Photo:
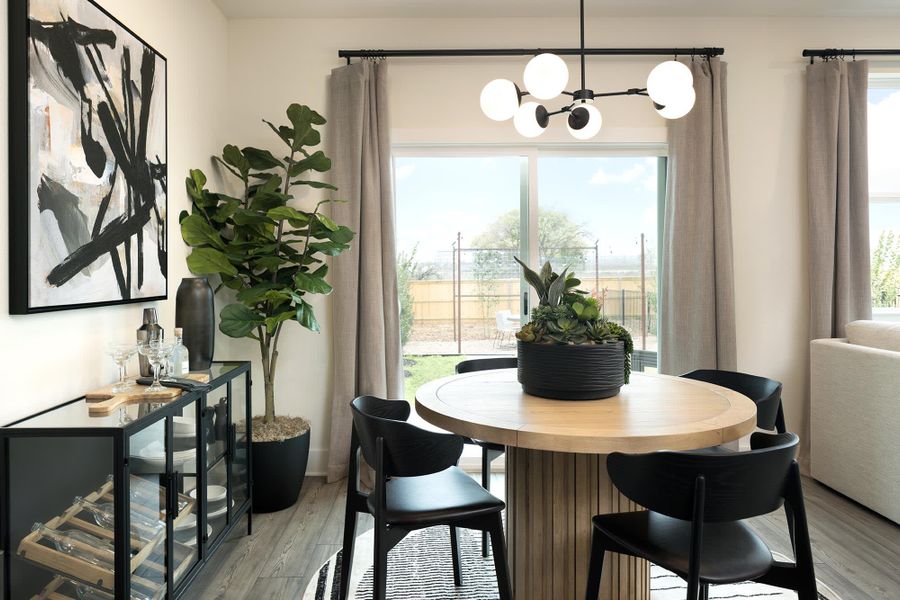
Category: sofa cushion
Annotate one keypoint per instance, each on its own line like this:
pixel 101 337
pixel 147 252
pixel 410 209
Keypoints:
pixel 875 334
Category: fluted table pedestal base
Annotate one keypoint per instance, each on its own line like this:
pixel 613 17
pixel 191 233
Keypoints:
pixel 551 497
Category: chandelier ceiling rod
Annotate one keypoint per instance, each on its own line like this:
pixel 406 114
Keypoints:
pixel 489 52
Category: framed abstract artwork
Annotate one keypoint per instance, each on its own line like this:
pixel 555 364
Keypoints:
pixel 88 159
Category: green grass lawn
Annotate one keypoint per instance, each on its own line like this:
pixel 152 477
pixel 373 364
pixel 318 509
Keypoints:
pixel 420 369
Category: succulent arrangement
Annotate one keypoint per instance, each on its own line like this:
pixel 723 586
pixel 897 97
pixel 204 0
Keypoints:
pixel 567 315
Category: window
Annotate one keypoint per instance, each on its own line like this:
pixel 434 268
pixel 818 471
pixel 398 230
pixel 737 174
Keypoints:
pixel 884 193
pixel 463 214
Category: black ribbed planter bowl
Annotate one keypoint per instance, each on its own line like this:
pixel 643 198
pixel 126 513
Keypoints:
pixel 278 472
pixel 564 372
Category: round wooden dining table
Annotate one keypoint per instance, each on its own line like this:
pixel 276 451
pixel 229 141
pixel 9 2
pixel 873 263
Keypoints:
pixel 556 477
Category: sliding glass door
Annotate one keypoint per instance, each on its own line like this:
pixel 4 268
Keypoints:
pixel 462 214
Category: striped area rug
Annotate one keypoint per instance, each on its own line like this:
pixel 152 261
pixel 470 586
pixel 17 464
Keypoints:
pixel 420 568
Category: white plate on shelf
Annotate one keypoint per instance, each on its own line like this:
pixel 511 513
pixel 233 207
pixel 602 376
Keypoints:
pixel 219 512
pixel 183 426
pixel 190 522
pixel 193 541
pixel 155 454
pixel 214 493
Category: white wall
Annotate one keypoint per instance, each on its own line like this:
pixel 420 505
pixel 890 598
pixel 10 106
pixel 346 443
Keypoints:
pixel 436 100
pixel 47 359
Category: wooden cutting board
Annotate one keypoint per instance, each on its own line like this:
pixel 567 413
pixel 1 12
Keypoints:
pixel 103 401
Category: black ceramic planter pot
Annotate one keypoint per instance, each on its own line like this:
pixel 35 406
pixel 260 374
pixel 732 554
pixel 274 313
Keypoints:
pixel 278 472
pixel 563 372
pixel 195 314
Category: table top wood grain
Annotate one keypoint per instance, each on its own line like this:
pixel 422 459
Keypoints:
pixel 653 412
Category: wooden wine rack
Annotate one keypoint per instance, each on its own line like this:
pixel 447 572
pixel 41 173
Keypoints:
pixel 148 556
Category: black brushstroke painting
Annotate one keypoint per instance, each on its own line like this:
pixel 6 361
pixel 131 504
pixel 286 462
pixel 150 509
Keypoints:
pixel 88 206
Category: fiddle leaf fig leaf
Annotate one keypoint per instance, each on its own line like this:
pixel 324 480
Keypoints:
pixel 306 317
pixel 197 232
pixel 313 284
pixel 237 320
pixel 261 160
pixel 209 261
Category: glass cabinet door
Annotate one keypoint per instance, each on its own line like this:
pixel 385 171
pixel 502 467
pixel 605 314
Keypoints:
pixel 185 476
pixel 149 486
pixel 240 440
pixel 61 511
pixel 215 423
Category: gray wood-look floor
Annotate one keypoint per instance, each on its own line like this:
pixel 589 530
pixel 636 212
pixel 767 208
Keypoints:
pixel 857 552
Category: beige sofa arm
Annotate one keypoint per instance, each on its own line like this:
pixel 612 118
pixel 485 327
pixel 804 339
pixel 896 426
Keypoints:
pixel 855 422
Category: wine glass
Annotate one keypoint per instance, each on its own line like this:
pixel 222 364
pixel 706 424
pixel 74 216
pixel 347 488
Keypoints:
pixel 157 352
pixel 120 353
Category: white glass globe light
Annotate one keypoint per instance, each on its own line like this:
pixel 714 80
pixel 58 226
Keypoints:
pixel 595 121
pixel 500 100
pixel 526 122
pixel 679 105
pixel 668 79
pixel 546 76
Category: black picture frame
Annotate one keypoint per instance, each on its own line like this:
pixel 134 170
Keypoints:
pixel 20 181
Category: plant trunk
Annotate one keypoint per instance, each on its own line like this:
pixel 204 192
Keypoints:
pixel 270 397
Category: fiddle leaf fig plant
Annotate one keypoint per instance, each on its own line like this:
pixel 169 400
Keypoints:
pixel 567 315
pixel 270 253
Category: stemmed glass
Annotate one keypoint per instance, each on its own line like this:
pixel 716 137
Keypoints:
pixel 157 352
pixel 120 353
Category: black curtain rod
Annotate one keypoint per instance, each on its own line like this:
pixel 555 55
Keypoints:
pixel 848 52
pixel 706 52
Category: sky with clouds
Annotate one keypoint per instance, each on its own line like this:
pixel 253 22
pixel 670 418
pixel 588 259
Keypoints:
pixel 612 198
pixel 884 160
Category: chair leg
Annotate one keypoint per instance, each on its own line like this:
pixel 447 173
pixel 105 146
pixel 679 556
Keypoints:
pixel 454 550
pixel 780 425
pixel 381 564
pixel 347 551
pixel 501 566
pixel 595 568
pixel 704 591
pixel 693 590
pixel 486 484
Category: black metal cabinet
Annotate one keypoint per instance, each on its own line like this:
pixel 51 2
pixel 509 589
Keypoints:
pixel 126 505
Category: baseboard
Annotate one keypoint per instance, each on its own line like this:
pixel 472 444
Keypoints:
pixel 318 462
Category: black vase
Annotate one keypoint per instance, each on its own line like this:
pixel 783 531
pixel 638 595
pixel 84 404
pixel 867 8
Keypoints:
pixel 195 314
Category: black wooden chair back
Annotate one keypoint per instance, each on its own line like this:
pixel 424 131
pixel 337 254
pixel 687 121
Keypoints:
pixel 484 364
pixel 406 450
pixel 726 486
pixel 765 392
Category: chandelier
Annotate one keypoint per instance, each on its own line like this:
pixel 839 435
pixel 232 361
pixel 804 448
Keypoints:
pixel 670 87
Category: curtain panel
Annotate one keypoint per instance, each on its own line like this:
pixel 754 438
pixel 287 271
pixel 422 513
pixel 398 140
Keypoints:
pixel 365 313
pixel 837 173
pixel 697 320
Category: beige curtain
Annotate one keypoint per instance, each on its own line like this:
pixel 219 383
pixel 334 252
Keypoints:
pixel 365 314
pixel 696 319
pixel 838 193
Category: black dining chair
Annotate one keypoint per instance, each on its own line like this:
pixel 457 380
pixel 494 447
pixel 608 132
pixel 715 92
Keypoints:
pixel 696 503
pixel 765 392
pixel 417 485
pixel 489 450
